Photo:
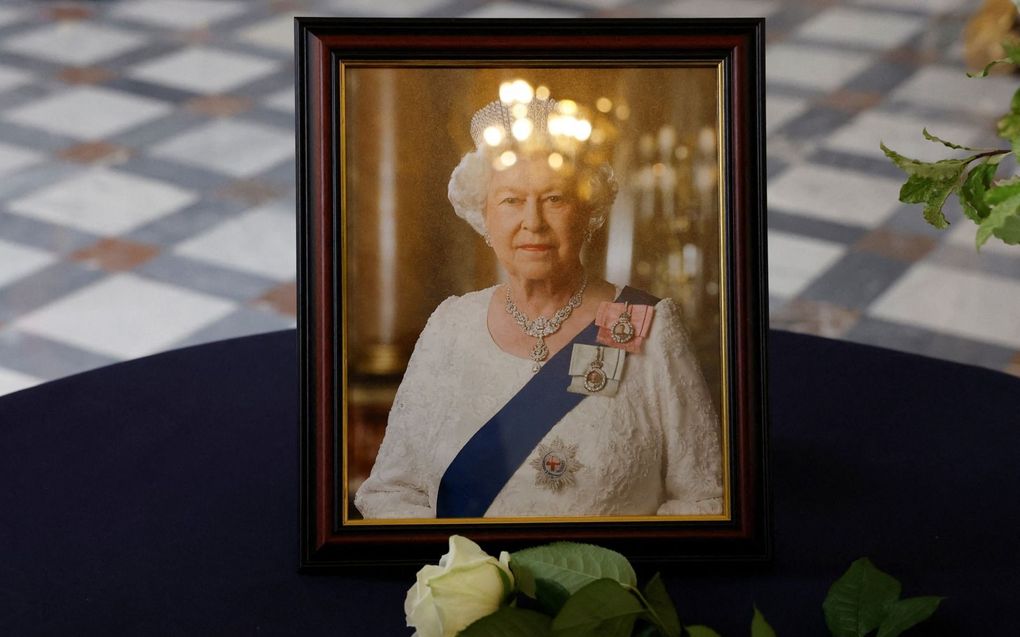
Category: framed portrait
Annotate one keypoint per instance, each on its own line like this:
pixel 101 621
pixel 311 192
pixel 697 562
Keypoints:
pixel 532 286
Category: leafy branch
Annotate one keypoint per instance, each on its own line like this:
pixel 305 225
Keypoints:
pixel 580 590
pixel 994 205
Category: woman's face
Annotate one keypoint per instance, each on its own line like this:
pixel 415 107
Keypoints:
pixel 535 223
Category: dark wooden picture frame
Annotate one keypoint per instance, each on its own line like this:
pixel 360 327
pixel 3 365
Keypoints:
pixel 329 48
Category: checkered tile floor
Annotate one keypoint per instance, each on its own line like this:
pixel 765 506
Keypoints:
pixel 146 173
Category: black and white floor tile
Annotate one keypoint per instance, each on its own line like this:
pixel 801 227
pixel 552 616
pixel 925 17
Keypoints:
pixel 131 222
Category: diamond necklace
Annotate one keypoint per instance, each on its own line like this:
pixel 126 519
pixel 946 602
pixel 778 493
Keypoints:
pixel 542 326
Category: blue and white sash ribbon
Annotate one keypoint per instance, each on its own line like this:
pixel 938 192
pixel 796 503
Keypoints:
pixel 488 460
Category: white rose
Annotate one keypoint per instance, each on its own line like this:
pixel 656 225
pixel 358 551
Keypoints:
pixel 467 585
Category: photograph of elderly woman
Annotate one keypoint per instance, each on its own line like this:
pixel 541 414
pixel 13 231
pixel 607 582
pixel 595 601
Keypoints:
pixel 531 294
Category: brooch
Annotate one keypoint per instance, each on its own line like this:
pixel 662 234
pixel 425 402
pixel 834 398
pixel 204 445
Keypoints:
pixel 623 326
pixel 595 378
pixel 556 464
pixel 622 331
pixel 595 370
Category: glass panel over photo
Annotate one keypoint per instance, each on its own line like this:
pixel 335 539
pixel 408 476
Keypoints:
pixel 638 149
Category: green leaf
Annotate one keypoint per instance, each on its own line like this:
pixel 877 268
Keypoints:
pixel 701 631
pixel 906 613
pixel 760 627
pixel 1003 221
pixel 859 600
pixel 1012 52
pixel 942 169
pixel 603 608
pixel 932 193
pixel 1009 129
pixel 1012 48
pixel 988 67
pixel 510 622
pixel 933 138
pixel 551 595
pixel 1009 125
pixel 1002 190
pixel 929 182
pixel 571 565
pixel 661 609
pixel 972 192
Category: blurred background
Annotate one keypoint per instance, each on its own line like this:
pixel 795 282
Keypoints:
pixel 147 172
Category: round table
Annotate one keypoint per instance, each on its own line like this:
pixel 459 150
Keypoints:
pixel 159 497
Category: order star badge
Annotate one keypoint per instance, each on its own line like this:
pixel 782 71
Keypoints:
pixel 556 464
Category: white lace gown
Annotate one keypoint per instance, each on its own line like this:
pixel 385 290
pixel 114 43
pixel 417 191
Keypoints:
pixel 652 449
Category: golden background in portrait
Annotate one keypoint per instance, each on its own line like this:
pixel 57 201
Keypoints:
pixel 407 127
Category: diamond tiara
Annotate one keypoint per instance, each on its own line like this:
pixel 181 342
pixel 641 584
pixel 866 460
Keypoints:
pixel 501 115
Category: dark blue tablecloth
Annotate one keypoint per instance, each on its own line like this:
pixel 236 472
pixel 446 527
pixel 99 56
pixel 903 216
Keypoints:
pixel 159 497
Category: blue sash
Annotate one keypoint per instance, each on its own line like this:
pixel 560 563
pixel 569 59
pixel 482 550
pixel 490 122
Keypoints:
pixel 486 462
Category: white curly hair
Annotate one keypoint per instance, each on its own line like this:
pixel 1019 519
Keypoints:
pixel 469 185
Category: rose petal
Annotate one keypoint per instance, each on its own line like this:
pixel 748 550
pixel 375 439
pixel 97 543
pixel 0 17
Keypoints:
pixel 467 593
pixel 504 563
pixel 424 617
pixel 467 585
pixel 463 551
